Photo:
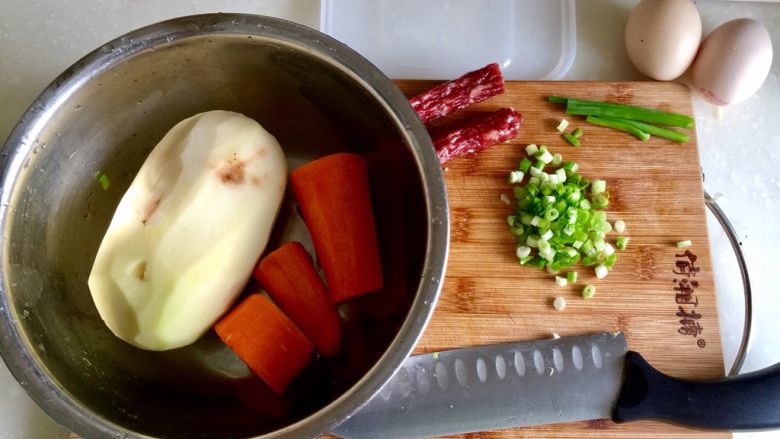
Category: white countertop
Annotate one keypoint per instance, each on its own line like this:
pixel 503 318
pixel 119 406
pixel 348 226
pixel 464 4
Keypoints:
pixel 740 154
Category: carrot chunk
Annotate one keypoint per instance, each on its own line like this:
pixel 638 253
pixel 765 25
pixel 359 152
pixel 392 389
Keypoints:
pixel 288 275
pixel 335 201
pixel 268 342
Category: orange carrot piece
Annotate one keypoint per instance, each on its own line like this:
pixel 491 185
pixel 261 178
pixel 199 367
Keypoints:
pixel 336 204
pixel 288 275
pixel 268 342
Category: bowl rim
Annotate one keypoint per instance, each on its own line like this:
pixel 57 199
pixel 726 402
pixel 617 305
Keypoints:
pixel 15 347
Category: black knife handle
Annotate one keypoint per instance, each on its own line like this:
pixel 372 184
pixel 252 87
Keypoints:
pixel 745 402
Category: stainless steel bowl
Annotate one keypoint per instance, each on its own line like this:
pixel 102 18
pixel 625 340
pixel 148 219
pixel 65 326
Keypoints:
pixel 104 114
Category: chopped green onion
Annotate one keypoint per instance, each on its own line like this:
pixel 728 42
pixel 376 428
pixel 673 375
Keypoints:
pixel 571 166
pixel 621 242
pixel 544 157
pixel 561 281
pixel 601 271
pixel 523 251
pixel 611 123
pixel 575 142
pixel 563 125
pixel 587 246
pixel 610 260
pixel 686 243
pixel 548 254
pixel 571 276
pixel 600 201
pixel 558 220
pixel 620 226
pixel 588 292
pixel 524 260
pixel 653 130
pixel 592 258
pixel 583 107
pixel 531 149
pixel 435 355
pixel 577 132
pixel 598 186
pixel 559 303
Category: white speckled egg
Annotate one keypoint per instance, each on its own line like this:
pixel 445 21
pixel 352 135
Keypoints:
pixel 662 37
pixel 733 62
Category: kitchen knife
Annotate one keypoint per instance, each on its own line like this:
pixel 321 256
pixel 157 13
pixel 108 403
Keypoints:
pixel 550 381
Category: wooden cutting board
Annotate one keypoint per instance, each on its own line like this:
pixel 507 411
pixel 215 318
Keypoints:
pixel 655 187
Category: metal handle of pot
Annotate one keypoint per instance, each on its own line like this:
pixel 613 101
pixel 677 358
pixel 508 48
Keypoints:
pixel 724 222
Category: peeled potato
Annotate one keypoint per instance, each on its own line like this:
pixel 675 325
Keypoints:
pixel 190 228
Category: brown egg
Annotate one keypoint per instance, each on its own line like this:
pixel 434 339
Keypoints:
pixel 733 62
pixel 662 37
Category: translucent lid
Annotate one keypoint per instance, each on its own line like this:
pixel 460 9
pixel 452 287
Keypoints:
pixel 442 39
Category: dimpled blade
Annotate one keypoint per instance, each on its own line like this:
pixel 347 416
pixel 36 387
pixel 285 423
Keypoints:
pixel 497 386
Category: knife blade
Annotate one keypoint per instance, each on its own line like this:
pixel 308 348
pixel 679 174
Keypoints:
pixel 497 386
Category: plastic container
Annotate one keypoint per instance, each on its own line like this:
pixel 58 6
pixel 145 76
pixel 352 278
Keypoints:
pixel 441 39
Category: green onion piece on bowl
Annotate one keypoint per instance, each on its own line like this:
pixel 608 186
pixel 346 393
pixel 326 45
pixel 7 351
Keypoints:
pixel 103 180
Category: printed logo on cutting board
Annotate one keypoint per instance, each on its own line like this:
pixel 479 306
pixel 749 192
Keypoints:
pixel 685 285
